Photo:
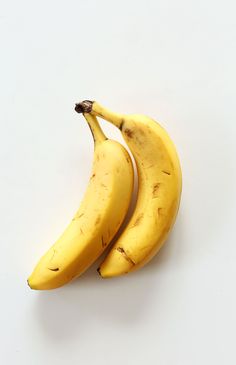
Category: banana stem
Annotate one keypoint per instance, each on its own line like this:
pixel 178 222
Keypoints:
pixel 107 114
pixel 95 128
pixel 94 108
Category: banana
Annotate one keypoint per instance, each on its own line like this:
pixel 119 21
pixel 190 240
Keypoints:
pixel 99 217
pixel 159 192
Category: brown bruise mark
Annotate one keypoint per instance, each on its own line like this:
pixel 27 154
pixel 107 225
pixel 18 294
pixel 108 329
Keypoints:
pixel 129 133
pixel 155 190
pixel 104 186
pixel 160 211
pixel 166 172
pixel 138 220
pixel 124 254
pixel 78 217
pixel 121 124
pixel 93 176
pixel 103 242
pixel 81 231
pixel 55 269
pixel 97 220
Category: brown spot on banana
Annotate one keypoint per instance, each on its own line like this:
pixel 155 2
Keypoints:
pixel 124 254
pixel 121 124
pixel 104 186
pixel 160 211
pixel 98 220
pixel 129 133
pixel 166 172
pixel 78 217
pixel 155 190
pixel 103 242
pixel 138 220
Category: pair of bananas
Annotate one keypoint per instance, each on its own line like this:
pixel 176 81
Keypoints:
pixel 107 200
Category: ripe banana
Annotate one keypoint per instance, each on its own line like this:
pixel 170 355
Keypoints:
pixel 99 217
pixel 160 184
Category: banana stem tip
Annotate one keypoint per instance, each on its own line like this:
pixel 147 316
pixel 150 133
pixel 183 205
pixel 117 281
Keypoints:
pixel 84 107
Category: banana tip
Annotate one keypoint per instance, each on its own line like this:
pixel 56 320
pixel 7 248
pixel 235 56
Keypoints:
pixel 99 272
pixel 31 285
pixel 28 283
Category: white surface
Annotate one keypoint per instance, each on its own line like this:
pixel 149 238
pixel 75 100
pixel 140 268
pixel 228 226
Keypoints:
pixel 175 61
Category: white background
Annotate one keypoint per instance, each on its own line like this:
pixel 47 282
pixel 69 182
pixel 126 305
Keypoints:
pixel 175 61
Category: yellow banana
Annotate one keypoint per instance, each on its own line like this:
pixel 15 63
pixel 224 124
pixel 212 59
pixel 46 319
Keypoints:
pixel 99 217
pixel 160 184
